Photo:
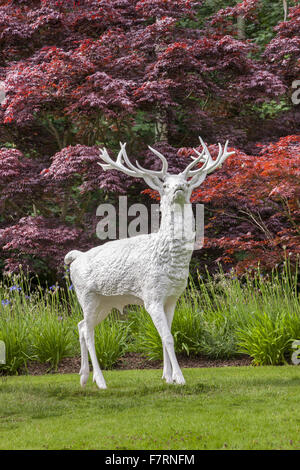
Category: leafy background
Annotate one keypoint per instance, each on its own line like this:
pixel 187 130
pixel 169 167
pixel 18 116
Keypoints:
pixel 84 74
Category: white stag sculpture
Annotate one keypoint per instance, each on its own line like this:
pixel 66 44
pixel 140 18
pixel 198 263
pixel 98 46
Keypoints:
pixel 150 270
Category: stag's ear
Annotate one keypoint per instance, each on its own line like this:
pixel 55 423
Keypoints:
pixel 196 180
pixel 153 182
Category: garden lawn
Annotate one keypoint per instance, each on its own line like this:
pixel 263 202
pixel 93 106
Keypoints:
pixel 219 408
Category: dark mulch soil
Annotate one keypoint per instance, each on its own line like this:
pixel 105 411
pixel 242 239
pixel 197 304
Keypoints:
pixel 71 365
pixel 136 361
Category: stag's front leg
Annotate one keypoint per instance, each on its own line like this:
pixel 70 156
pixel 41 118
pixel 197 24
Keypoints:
pixel 157 313
pixel 169 312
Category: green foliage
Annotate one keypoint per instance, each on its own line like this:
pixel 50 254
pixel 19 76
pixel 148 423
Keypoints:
pixel 218 340
pixel 111 338
pixel 187 325
pixel 269 332
pixel 266 339
pixel 146 338
pixel 143 126
pixel 186 330
pixel 14 331
pixel 220 317
pixel 9 145
pixel 205 11
pixel 270 14
pixel 52 339
pixel 34 323
pixel 224 316
pixel 261 31
pixel 271 109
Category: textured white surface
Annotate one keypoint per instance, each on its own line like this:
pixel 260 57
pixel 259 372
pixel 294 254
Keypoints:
pixel 150 270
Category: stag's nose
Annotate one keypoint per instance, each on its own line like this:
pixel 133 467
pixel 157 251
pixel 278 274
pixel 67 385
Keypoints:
pixel 179 193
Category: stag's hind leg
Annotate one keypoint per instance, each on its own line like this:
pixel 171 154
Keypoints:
pixel 93 315
pixel 90 340
pixel 84 369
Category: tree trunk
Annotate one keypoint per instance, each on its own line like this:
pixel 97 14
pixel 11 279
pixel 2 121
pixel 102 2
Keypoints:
pixel 241 27
pixel 161 126
pixel 285 9
pixel 161 121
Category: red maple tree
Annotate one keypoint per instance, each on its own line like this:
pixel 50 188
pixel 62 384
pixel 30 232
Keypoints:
pixel 88 73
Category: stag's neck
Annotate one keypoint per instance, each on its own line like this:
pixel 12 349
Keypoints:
pixel 177 232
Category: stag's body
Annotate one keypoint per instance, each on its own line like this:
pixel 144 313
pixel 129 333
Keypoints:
pixel 150 270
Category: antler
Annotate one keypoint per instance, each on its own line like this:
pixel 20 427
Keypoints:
pixel 154 178
pixel 209 165
pixel 136 171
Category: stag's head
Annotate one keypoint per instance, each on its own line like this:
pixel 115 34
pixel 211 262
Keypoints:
pixel 172 188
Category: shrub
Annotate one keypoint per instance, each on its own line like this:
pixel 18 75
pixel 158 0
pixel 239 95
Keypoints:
pixel 267 338
pixel 186 329
pixel 218 340
pixel 52 338
pixel 221 317
pixel 111 338
pixel 146 338
pixel 14 331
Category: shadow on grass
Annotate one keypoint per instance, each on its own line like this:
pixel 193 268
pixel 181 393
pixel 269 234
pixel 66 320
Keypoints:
pixel 21 402
pixel 45 400
pixel 62 392
pixel 38 401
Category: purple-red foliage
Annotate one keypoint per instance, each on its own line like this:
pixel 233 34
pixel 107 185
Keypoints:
pixel 82 162
pixel 36 239
pixel 85 73
pixel 176 164
pixel 283 52
pixel 144 63
pixel 246 9
pixel 19 181
pixel 253 206
pixel 159 8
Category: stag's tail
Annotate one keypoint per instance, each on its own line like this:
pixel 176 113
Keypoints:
pixel 71 256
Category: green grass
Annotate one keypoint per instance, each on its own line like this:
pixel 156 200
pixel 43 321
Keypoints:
pixel 219 408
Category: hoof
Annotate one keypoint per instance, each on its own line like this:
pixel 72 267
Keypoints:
pixel 99 382
pixel 178 379
pixel 83 379
pixel 167 378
